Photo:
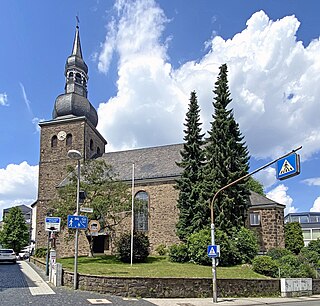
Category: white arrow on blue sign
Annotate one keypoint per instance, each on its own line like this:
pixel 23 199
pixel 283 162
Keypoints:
pixel 80 222
pixel 213 251
pixel 288 166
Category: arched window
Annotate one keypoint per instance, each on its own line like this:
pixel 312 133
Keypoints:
pixel 69 140
pixel 78 77
pixel 91 145
pixel 54 141
pixel 98 151
pixel 71 74
pixel 141 211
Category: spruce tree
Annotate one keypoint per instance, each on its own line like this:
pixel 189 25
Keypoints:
pixel 194 210
pixel 227 160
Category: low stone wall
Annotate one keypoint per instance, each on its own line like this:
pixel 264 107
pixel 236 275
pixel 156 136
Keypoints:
pixel 173 287
pixel 39 262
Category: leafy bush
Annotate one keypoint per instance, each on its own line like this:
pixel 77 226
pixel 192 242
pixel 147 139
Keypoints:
pixel 293 237
pixel 277 253
pixel 198 245
pixel 140 247
pixel 178 253
pixel 229 253
pixel 161 249
pixel 312 257
pixel 293 266
pixel 265 265
pixel 40 252
pixel 314 245
pixel 247 244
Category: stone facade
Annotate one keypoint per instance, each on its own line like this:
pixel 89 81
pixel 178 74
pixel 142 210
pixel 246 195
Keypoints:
pixel 54 161
pixel 270 228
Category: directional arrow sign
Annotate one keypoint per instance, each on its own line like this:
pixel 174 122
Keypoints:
pixel 288 166
pixel 80 222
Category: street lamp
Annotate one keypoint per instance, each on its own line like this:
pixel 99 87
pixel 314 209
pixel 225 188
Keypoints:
pixel 76 155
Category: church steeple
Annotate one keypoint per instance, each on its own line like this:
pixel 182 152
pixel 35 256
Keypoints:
pixel 76 50
pixel 76 70
pixel 74 101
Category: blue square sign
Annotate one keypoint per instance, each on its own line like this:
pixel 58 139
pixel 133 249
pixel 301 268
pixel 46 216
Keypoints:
pixel 213 251
pixel 288 166
pixel 80 222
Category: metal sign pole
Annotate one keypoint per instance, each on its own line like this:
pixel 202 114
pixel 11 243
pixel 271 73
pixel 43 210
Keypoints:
pixel 214 278
pixel 214 275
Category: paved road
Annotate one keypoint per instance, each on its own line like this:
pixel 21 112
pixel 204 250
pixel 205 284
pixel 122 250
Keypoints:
pixel 23 284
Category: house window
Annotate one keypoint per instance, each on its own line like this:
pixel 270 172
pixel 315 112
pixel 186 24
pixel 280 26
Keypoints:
pixel 254 218
pixel 69 140
pixel 141 212
pixel 54 141
pixel 91 145
pixel 98 151
pixel 306 234
pixel 315 234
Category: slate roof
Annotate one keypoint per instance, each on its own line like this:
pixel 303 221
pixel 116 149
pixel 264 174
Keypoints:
pixel 259 200
pixel 149 163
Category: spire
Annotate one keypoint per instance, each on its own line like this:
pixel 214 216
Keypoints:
pixel 74 101
pixel 76 50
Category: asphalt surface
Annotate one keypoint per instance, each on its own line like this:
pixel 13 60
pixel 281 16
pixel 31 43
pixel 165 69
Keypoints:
pixel 25 284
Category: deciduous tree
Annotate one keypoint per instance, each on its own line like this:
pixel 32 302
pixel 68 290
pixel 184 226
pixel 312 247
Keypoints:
pixel 109 198
pixel 15 232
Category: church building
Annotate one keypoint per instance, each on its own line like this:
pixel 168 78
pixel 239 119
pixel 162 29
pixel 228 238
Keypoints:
pixel 73 126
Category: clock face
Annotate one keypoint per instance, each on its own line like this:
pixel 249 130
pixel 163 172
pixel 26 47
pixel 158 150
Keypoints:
pixel 62 135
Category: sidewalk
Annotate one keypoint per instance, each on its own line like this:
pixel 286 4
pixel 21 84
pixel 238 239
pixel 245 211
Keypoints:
pixel 231 301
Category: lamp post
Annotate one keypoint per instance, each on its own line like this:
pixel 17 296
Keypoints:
pixel 76 155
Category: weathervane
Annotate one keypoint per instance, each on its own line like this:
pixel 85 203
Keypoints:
pixel 78 21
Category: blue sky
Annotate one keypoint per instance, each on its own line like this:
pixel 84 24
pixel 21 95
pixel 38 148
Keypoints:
pixel 144 58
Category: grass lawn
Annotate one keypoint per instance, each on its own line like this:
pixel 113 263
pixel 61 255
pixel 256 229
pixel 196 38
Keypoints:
pixel 157 266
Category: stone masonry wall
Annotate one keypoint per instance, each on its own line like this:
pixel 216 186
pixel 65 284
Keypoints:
pixel 173 287
pixel 53 169
pixel 271 230
pixel 163 214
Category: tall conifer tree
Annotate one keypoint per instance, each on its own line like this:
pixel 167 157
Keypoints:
pixel 227 160
pixel 194 211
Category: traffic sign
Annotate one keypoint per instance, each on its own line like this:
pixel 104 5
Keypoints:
pixel 213 251
pixel 80 222
pixel 94 226
pixel 52 224
pixel 288 166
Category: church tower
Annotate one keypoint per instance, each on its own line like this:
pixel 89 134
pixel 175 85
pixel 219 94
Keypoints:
pixel 73 126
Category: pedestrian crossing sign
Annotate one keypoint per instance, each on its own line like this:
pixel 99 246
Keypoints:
pixel 288 166
pixel 213 251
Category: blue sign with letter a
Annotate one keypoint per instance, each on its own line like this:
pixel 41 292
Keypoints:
pixel 80 222
pixel 288 166
pixel 213 251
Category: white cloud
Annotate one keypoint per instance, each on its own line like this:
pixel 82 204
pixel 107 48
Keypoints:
pixel 279 195
pixel 273 81
pixel 3 99
pixel 315 181
pixel 267 177
pixel 18 185
pixel 316 205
